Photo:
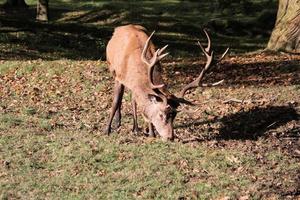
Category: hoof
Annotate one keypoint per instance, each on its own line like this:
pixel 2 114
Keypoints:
pixel 117 124
pixel 107 130
pixel 151 134
pixel 135 130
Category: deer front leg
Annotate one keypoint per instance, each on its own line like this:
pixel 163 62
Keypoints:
pixel 151 132
pixel 135 127
pixel 116 105
pixel 117 118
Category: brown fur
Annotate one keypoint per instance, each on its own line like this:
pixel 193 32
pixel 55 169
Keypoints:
pixel 124 57
pixel 124 52
pixel 131 61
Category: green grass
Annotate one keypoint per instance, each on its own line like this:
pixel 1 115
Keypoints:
pixel 52 145
pixel 66 165
pixel 10 121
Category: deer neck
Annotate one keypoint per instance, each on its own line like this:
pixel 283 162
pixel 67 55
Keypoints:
pixel 140 95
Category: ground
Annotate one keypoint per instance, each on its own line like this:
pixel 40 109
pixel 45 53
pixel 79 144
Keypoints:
pixel 240 140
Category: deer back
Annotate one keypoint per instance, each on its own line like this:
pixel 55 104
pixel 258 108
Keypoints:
pixel 124 57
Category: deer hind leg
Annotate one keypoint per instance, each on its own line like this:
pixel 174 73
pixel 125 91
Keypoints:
pixel 117 117
pixel 135 127
pixel 116 106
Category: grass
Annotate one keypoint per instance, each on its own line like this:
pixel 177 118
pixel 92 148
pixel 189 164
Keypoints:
pixel 80 165
pixel 52 145
pixel 10 121
pixel 55 95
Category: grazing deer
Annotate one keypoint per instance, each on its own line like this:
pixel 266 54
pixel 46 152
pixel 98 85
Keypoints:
pixel 134 63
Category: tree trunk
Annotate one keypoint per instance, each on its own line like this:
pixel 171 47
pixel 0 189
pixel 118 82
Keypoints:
pixel 15 4
pixel 42 10
pixel 286 34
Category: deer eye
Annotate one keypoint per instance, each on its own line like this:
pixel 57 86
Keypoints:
pixel 161 116
pixel 171 114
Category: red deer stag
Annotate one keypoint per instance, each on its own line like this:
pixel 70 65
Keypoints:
pixel 134 63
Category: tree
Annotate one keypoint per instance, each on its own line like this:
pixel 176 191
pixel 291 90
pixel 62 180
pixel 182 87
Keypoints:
pixel 42 10
pixel 286 33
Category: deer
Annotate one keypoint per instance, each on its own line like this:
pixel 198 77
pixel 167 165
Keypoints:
pixel 135 64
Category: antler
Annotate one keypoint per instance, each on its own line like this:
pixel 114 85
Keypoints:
pixel 156 57
pixel 210 60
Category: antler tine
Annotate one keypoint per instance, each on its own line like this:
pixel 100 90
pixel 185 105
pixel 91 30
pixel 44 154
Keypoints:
pixel 162 49
pixel 223 55
pixel 213 84
pixel 158 52
pixel 150 72
pixel 203 49
pixel 197 81
pixel 208 48
pixel 209 61
pixel 154 59
pixel 160 57
pixel 143 56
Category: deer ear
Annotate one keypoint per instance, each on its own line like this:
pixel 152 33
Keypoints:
pixel 154 98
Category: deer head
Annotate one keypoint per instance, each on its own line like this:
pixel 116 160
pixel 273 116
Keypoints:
pixel 134 63
pixel 162 107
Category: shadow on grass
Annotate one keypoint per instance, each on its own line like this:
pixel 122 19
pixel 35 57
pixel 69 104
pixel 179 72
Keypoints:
pixel 256 122
pixel 247 74
pixel 250 125
pixel 80 30
pixel 29 39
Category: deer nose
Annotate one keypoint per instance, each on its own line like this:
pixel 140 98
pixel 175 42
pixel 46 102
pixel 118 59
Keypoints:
pixel 168 138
